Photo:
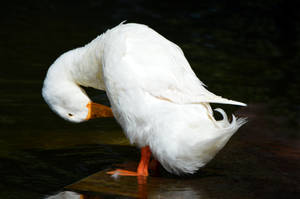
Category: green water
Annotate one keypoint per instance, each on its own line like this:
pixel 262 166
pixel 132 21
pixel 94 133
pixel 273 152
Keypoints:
pixel 247 51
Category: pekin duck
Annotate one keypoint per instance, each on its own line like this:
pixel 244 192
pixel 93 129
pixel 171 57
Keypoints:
pixel 161 105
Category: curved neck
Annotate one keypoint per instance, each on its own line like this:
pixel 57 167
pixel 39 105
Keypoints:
pixel 86 64
pixel 60 84
pixel 75 68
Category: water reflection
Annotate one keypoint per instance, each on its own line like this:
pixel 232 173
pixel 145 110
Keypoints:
pixel 188 193
pixel 136 187
pixel 177 190
pixel 66 195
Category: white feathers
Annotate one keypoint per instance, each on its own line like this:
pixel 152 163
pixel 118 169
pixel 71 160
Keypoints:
pixel 193 139
pixel 154 94
pixel 160 102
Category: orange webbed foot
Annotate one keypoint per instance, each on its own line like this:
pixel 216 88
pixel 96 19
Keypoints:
pixel 142 169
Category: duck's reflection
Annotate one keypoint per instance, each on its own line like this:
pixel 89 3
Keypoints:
pixel 66 195
pixel 149 188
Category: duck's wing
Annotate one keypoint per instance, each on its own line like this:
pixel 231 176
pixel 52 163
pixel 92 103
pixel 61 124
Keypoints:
pixel 146 60
pixel 180 84
pixel 183 98
pixel 163 71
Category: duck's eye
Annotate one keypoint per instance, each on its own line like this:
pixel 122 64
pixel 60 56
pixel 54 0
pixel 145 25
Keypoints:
pixel 70 114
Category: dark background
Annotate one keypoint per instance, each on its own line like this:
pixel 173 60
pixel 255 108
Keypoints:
pixel 244 50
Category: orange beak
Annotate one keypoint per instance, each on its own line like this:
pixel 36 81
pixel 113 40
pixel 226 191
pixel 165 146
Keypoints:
pixel 98 110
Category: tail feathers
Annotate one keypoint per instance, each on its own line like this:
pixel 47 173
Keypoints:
pixel 227 129
pixel 224 123
pixel 203 147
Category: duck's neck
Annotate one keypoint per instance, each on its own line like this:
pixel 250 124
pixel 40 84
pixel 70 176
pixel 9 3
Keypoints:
pixel 85 64
pixel 75 68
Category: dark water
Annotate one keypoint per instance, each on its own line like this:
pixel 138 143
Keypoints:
pixel 247 51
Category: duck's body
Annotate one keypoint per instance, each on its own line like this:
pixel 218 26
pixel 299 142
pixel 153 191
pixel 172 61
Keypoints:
pixel 154 95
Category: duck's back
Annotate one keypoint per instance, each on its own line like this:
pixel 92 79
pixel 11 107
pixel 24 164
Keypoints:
pixel 141 56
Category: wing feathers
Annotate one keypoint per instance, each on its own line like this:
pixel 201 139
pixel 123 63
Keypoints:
pixel 184 99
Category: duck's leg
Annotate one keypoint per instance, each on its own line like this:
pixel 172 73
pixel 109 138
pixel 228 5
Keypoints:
pixel 144 162
pixel 142 169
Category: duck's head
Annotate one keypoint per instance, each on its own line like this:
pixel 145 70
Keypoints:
pixel 66 98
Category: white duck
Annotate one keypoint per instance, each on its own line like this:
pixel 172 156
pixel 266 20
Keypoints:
pixel 156 97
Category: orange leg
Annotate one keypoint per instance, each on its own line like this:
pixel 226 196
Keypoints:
pixel 142 169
